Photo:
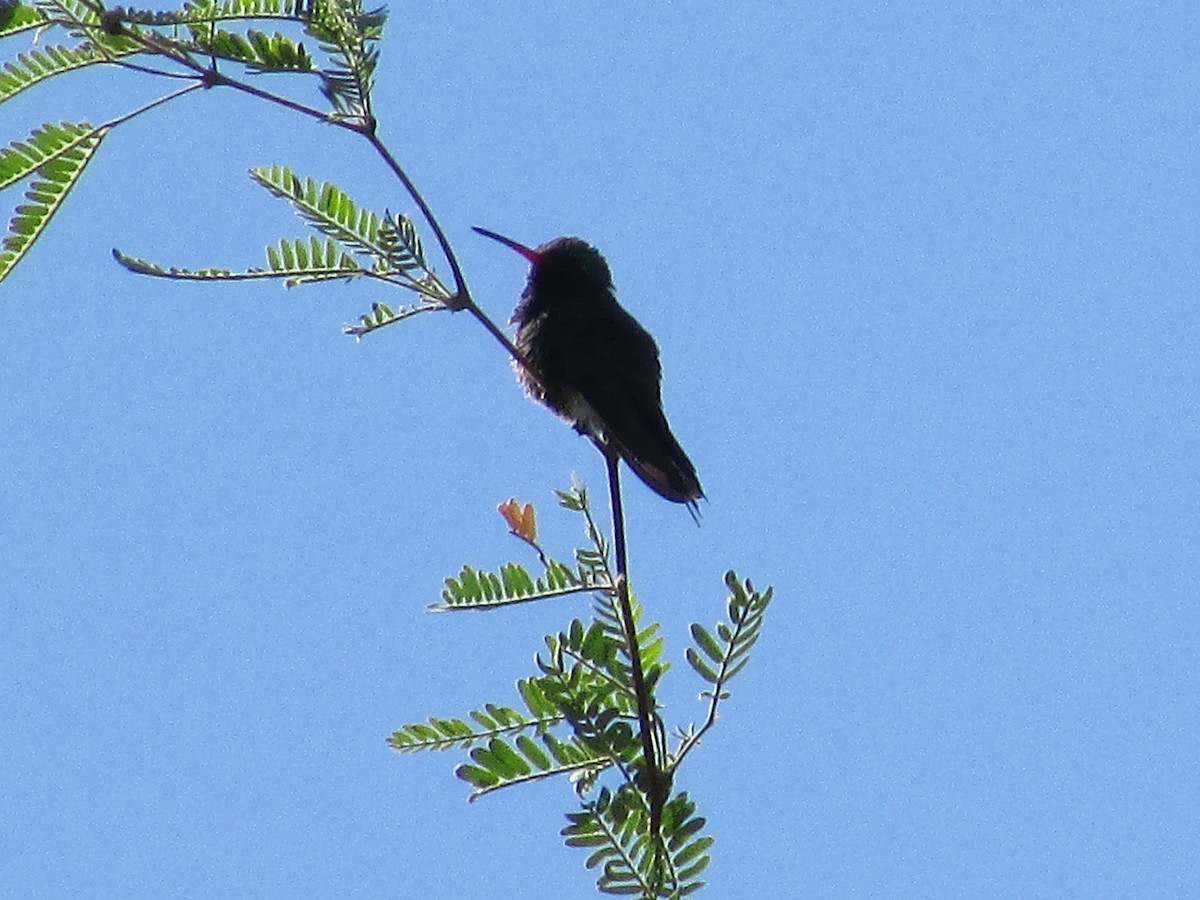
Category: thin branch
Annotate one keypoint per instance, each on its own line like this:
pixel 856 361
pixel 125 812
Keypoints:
pixel 537 548
pixel 462 298
pixel 596 537
pixel 167 98
pixel 210 76
pixel 147 70
pixel 691 741
pixel 657 786
pixel 216 78
pixel 460 283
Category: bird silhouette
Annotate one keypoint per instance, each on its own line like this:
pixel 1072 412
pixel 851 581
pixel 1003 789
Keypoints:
pixel 595 365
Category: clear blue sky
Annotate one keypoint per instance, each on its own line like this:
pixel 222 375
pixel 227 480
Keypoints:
pixel 925 285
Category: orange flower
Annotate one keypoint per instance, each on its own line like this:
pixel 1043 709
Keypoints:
pixel 521 520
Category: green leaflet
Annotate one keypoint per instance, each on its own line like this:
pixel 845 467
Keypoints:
pixel 44 144
pixel 477 589
pixel 35 66
pixel 17 17
pixel 581 717
pixel 259 51
pixel 57 174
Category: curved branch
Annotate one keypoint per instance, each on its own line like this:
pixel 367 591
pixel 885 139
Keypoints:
pixel 462 298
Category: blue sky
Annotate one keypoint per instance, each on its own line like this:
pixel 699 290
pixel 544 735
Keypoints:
pixel 924 280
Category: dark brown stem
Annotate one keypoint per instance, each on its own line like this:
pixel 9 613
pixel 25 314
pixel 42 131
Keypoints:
pixel 460 283
pixel 462 294
pixel 656 786
pixel 210 76
pixel 120 120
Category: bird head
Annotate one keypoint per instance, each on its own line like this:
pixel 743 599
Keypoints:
pixel 562 269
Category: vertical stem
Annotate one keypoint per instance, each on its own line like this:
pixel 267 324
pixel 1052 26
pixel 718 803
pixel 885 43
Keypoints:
pixel 656 790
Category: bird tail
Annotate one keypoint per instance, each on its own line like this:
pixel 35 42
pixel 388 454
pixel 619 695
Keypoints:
pixel 671 475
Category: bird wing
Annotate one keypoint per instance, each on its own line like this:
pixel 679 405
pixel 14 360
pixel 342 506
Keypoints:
pixel 619 374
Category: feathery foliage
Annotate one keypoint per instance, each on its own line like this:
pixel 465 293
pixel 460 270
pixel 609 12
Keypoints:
pixel 28 69
pixel 613 826
pixel 46 143
pixel 718 660
pixel 58 170
pixel 589 711
pixel 490 722
pixel 349 37
pixel 475 589
pixel 256 50
pixel 17 17
pixel 294 262
pixel 326 208
pixel 199 12
pixel 191 43
pixel 357 243
pixel 580 718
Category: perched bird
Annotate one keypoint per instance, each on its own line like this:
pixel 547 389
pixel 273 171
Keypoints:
pixel 595 366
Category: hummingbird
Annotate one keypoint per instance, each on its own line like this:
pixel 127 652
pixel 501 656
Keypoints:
pixel 594 365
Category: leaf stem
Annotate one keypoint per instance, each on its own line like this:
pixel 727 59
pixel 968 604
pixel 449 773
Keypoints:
pixel 717 695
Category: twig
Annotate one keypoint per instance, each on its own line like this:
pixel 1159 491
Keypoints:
pixel 208 75
pixel 657 787
pixel 167 98
pixel 462 294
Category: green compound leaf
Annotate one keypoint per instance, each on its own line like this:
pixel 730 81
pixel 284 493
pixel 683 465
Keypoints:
pixel 718 659
pixel 45 143
pixel 36 66
pixel 390 241
pixel 17 17
pixel 502 764
pixel 491 722
pixel 479 590
pixel 59 172
pixel 614 827
pixel 259 51
pixel 349 36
